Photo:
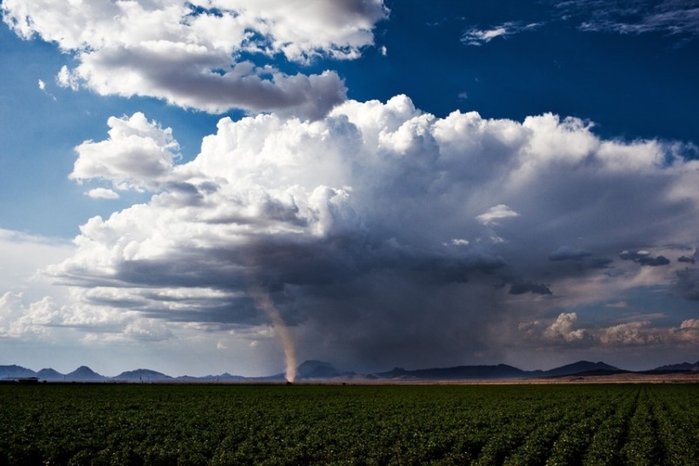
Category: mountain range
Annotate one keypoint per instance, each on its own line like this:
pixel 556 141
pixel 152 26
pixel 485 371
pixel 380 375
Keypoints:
pixel 320 370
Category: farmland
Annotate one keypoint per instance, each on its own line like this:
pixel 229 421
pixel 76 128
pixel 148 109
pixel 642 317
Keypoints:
pixel 113 424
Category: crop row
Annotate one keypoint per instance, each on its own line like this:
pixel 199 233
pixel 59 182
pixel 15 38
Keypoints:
pixel 354 425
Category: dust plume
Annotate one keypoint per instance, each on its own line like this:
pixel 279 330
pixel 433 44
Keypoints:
pixel 264 302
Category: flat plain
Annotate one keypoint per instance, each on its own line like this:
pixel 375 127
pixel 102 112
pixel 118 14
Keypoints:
pixel 453 424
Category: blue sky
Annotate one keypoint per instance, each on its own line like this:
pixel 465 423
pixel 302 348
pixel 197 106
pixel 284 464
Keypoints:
pixel 398 183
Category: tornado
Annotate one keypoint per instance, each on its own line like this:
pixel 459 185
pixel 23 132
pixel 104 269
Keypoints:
pixel 263 301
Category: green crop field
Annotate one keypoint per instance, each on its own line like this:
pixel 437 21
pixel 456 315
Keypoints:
pixel 54 424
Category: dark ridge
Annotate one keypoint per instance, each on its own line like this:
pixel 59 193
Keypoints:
pixel 15 372
pixel 501 371
pixel 321 370
pixel 581 367
pixel 85 374
pixel 50 375
pixel 141 375
pixel 682 367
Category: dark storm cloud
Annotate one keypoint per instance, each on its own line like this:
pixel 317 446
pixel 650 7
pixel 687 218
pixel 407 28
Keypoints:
pixel 601 263
pixel 529 287
pixel 565 253
pixel 644 258
pixel 686 284
pixel 278 264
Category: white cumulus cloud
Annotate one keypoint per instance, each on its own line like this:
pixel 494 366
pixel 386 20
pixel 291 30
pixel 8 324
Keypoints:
pixel 192 54
pixel 496 213
pixel 477 37
pixel 565 331
pixel 102 193
pixel 138 155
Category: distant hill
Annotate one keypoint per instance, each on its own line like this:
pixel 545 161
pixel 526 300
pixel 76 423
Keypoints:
pixel 50 375
pixel 320 370
pixel 225 377
pixel 15 372
pixel 317 370
pixel 682 367
pixel 85 374
pixel 309 370
pixel 313 369
pixel 501 371
pixel 582 367
pixel 228 377
pixel 144 375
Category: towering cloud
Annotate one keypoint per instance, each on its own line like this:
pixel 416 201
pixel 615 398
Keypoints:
pixel 204 54
pixel 381 231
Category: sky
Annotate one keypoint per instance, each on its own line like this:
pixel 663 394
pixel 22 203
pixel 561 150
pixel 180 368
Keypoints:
pixel 237 186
